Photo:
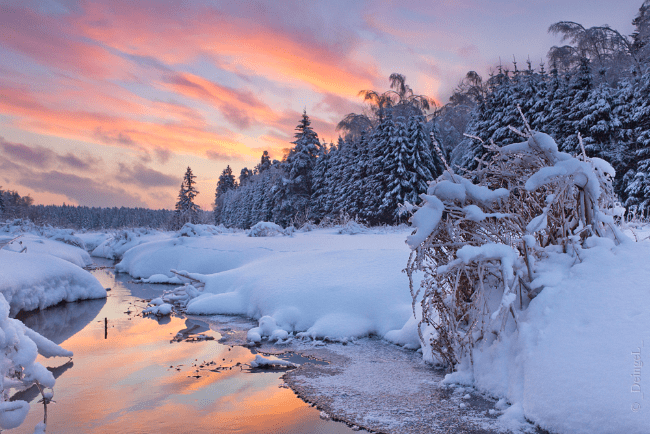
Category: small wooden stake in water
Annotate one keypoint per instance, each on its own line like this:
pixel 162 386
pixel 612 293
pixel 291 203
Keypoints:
pixel 105 328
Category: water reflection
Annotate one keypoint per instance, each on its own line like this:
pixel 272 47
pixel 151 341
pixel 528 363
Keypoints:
pixel 60 322
pixel 141 375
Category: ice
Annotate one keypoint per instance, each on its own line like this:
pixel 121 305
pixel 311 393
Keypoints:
pixel 263 362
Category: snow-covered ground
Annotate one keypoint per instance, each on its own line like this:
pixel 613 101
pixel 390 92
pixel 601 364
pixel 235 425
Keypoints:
pixel 41 267
pixel 320 283
pixel 573 364
pixel 566 369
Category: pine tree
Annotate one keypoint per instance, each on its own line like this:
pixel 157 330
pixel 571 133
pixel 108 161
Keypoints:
pixel 186 210
pixel 244 175
pixel 318 202
pixel 265 163
pixel 226 181
pixel 292 199
pixel 423 162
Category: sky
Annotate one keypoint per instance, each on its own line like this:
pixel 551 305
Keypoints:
pixel 106 103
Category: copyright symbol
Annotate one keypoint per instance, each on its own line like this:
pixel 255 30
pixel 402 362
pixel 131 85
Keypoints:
pixel 636 406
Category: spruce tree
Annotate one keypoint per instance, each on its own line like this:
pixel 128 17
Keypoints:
pixel 226 181
pixel 265 163
pixel 244 175
pixel 292 199
pixel 186 210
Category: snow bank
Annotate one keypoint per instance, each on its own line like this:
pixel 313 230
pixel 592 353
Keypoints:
pixel 38 280
pixel 204 255
pixel 121 241
pixel 320 283
pixel 266 229
pixel 37 244
pixel 198 230
pixel 93 239
pixel 576 362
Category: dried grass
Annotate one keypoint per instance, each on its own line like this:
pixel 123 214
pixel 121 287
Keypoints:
pixel 456 300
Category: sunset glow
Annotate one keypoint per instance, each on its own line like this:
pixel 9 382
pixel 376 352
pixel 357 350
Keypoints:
pixel 106 103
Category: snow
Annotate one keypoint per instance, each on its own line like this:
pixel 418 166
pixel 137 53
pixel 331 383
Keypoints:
pixel 450 187
pixel 162 309
pixel 569 367
pixel 47 246
pixel 162 278
pixel 13 413
pixel 198 230
pixel 121 241
pixel 474 213
pixel 318 283
pixel 19 347
pixel 265 229
pixel 93 239
pixel 38 280
pixel 263 362
pixel 425 219
pixel 205 255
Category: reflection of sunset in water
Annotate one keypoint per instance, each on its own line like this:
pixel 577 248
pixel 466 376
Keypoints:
pixel 138 381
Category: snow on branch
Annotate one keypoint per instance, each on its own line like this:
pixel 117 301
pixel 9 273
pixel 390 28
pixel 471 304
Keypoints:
pixel 478 237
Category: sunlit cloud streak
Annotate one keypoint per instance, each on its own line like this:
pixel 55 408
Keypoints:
pixel 169 84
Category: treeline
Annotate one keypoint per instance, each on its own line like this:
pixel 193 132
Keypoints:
pixel 15 206
pixel 384 160
pixel 596 90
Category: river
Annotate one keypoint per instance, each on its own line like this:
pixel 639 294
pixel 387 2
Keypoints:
pixel 135 374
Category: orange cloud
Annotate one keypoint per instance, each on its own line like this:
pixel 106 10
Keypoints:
pixel 254 45
pixel 115 130
pixel 241 108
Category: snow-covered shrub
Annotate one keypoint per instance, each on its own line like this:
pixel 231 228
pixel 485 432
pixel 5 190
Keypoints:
pixel 19 346
pixel 478 242
pixel 199 230
pixel 121 241
pixel 18 226
pixel 266 229
pixel 67 236
pixel 352 227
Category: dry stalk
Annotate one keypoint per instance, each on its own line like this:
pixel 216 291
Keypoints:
pixel 456 302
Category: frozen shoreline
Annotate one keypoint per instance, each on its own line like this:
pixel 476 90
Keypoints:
pixel 375 385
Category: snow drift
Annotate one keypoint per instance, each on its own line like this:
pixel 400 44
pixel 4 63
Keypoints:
pixel 535 294
pixel 38 280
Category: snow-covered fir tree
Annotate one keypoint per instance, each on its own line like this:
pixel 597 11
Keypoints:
pixel 186 210
pixel 264 164
pixel 293 196
pixel 244 175
pixel 226 181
